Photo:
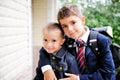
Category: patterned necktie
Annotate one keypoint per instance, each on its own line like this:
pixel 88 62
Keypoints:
pixel 80 56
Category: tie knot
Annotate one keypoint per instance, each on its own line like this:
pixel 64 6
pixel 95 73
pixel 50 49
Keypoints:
pixel 80 43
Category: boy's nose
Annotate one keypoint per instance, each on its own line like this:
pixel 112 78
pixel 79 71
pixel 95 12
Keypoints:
pixel 49 44
pixel 70 28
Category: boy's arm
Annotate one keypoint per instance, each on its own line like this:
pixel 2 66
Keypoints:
pixel 44 66
pixel 49 75
pixel 44 58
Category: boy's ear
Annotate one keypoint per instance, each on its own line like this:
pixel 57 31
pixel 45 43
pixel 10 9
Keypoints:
pixel 83 20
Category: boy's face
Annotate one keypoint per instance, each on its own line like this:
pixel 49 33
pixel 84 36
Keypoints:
pixel 52 40
pixel 73 26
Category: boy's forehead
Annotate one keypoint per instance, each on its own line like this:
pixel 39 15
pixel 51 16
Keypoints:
pixel 69 18
pixel 51 34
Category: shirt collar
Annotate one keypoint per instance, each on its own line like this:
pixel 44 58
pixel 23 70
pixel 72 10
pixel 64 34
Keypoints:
pixel 85 36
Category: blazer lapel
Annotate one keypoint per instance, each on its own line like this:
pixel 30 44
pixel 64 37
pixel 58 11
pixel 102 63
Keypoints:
pixel 87 51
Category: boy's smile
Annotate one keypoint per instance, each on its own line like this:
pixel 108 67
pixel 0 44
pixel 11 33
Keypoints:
pixel 73 26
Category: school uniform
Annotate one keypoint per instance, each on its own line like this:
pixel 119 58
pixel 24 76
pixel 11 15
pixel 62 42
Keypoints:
pixel 61 63
pixel 96 68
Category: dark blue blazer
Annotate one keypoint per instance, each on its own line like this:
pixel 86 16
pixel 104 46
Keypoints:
pixel 97 67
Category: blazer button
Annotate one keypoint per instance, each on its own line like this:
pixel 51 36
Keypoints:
pixel 53 57
pixel 60 68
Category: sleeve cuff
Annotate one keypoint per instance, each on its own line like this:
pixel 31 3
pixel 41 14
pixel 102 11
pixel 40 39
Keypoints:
pixel 45 68
pixel 78 78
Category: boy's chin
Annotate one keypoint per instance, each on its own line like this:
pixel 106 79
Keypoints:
pixel 51 52
pixel 74 37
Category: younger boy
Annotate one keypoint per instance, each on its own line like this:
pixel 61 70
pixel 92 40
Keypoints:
pixel 92 67
pixel 60 59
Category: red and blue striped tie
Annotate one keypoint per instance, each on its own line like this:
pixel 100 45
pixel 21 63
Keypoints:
pixel 81 56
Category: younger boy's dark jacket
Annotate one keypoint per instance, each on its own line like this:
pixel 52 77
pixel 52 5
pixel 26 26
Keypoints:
pixel 62 62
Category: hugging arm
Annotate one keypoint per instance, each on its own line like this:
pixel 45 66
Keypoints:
pixel 43 62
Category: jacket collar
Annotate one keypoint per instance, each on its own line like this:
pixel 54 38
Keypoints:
pixel 61 53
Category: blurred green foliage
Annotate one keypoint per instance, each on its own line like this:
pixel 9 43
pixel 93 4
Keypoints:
pixel 118 73
pixel 105 15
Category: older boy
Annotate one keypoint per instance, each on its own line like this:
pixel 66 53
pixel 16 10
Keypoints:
pixel 91 67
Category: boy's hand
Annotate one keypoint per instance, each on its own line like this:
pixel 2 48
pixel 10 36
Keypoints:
pixel 49 75
pixel 70 77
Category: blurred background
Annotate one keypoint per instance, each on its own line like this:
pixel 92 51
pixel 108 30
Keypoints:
pixel 21 22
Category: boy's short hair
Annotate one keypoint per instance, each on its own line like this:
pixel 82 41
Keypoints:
pixel 68 10
pixel 52 26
